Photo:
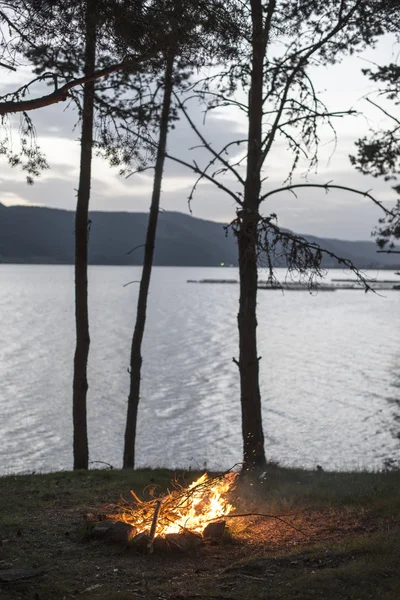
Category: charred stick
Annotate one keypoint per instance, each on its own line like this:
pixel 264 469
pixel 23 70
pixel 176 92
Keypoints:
pixel 153 528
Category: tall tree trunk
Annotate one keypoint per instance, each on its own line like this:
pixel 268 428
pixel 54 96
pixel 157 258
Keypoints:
pixel 136 356
pixel 80 384
pixel 253 437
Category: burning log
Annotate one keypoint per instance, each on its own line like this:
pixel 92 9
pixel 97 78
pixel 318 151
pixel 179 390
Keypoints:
pixel 120 532
pixel 140 542
pixel 214 531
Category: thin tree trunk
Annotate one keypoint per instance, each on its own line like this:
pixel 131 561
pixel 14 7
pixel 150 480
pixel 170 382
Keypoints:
pixel 80 383
pixel 136 356
pixel 253 437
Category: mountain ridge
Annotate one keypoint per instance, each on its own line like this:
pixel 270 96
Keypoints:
pixel 42 235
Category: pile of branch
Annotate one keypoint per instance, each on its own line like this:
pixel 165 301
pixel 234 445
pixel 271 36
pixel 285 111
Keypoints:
pixel 172 505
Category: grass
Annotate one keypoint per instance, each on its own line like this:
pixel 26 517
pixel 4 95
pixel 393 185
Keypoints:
pixel 340 540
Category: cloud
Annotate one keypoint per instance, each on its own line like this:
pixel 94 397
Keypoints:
pixel 12 199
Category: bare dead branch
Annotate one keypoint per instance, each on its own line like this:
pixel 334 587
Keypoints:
pixel 135 248
pixel 207 145
pixel 383 110
pixel 326 186
pixel 210 164
pixel 193 167
pixel 302 62
pixel 315 114
pixel 129 282
pixel 225 101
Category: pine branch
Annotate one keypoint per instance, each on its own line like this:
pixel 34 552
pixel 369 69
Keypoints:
pixel 61 94
pixel 7 66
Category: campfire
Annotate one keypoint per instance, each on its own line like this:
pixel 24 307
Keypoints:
pixel 180 520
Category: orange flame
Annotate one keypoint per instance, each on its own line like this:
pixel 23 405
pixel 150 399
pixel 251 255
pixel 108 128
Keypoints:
pixel 184 509
pixel 202 505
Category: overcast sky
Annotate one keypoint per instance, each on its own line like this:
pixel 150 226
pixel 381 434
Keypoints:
pixel 336 214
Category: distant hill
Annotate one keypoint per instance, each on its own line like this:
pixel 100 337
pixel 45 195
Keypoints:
pixel 30 234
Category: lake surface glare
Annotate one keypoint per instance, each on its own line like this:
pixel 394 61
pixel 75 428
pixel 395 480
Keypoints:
pixel 330 371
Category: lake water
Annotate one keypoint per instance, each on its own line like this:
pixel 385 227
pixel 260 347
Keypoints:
pixel 330 371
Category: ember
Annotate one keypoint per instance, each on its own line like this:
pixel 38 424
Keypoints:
pixel 183 515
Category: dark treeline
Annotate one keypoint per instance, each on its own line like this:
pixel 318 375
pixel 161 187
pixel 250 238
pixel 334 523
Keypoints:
pixel 131 70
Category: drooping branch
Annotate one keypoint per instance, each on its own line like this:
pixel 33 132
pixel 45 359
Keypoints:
pixel 29 157
pixel 304 256
pixel 279 247
pixel 327 187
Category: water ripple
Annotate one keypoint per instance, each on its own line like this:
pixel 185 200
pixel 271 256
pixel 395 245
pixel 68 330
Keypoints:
pixel 328 388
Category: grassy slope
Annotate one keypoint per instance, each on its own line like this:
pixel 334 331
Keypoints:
pixel 350 549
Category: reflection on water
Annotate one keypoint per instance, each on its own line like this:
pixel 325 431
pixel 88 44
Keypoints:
pixel 327 376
